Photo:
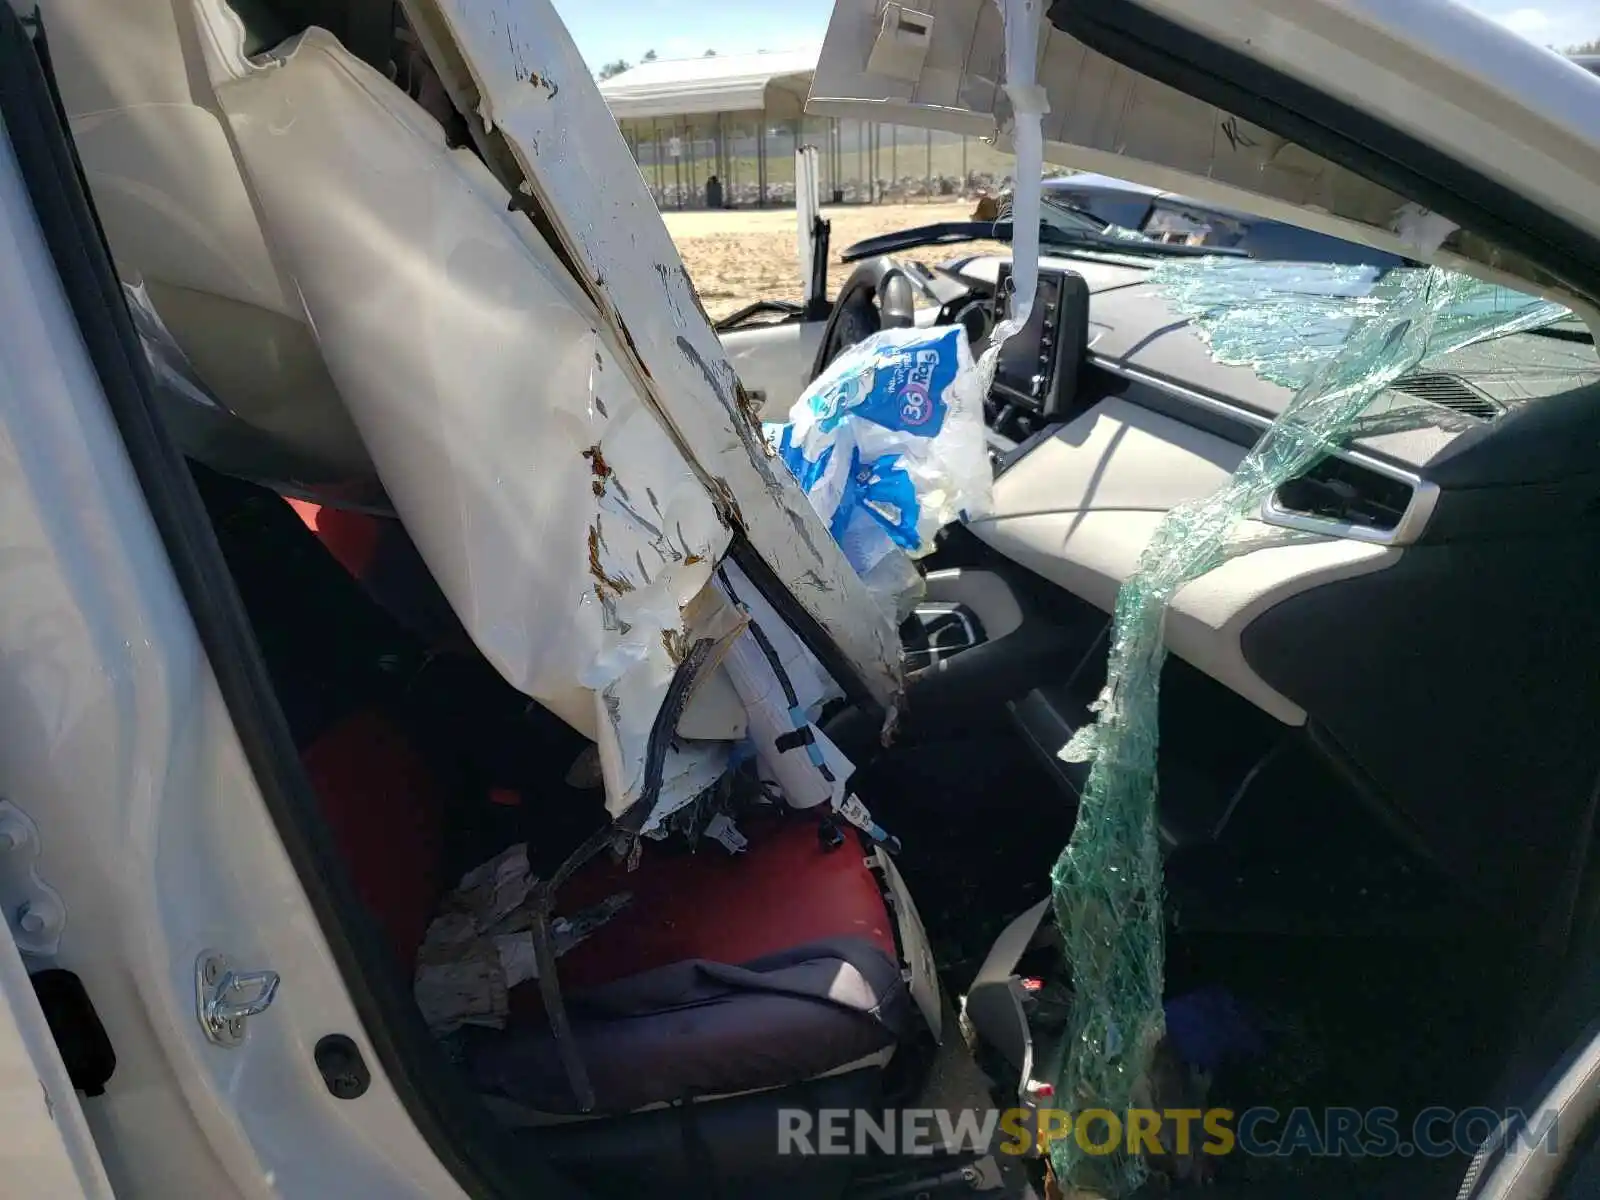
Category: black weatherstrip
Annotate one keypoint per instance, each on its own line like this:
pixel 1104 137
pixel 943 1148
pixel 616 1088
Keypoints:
pixel 1240 85
pixel 484 1161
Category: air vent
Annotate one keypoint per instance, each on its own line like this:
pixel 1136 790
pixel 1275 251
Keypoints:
pixel 1449 391
pixel 1346 494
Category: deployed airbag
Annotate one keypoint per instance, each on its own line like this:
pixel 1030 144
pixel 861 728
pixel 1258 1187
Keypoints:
pixel 552 507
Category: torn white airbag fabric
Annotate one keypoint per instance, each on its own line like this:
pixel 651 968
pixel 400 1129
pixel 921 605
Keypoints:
pixel 554 511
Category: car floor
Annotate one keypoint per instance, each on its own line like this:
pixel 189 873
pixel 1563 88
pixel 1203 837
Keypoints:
pixel 981 824
pixel 1363 1021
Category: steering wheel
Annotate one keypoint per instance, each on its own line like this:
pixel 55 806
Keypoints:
pixel 878 295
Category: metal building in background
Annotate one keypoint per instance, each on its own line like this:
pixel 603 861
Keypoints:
pixel 740 117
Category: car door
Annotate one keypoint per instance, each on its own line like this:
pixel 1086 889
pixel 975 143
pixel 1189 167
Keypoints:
pixel 49 1149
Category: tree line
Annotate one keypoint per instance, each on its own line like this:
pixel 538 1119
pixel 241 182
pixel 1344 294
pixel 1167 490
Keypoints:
pixel 618 66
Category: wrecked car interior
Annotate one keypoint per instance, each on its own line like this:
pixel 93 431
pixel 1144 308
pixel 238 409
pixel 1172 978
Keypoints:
pixel 1233 748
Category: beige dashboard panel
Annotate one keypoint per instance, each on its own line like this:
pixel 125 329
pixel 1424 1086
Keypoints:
pixel 1079 509
pixel 774 362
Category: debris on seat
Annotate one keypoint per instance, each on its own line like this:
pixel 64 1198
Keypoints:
pixel 713 814
pixel 783 689
pixel 482 944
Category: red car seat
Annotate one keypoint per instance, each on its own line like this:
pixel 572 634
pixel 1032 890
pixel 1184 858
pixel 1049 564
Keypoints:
pixel 723 974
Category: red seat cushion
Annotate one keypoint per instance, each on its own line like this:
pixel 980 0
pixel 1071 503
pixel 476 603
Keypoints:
pixel 386 811
pixel 784 891
pixel 377 552
pixel 351 537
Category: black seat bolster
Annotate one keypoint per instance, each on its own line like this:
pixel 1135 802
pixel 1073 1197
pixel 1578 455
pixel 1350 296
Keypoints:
pixel 698 1028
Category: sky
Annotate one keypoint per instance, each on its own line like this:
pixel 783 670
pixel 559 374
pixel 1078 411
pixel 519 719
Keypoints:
pixel 609 29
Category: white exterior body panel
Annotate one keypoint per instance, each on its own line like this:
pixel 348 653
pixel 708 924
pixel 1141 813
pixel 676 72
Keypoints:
pixel 548 502
pixel 534 92
pixel 570 455
pixel 152 828
pixel 47 1148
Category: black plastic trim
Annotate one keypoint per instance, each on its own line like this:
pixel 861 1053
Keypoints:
pixel 864 283
pixel 1068 327
pixel 790 312
pixel 1238 84
pixel 484 1160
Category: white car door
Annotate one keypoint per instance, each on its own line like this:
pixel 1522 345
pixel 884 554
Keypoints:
pixel 47 1148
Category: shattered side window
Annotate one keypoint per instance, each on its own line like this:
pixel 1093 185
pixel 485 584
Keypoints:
pixel 1340 336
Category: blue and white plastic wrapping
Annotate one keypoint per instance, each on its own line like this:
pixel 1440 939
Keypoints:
pixel 888 444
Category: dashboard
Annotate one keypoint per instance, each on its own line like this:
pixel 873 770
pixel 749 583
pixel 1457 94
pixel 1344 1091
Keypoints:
pixel 1420 605
pixel 1108 409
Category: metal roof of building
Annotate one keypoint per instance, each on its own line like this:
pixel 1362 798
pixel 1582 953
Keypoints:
pixel 777 82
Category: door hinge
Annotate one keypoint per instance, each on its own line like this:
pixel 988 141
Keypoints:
pixel 33 908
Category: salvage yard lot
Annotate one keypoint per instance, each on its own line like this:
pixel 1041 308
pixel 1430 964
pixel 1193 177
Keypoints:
pixel 741 256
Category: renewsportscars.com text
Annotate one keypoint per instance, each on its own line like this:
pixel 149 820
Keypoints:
pixel 1258 1132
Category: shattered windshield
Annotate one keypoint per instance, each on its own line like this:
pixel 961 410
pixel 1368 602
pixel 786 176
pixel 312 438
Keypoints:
pixel 1285 320
pixel 1340 336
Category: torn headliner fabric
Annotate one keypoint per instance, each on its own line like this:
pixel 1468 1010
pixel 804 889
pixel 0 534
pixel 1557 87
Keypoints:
pixel 1345 340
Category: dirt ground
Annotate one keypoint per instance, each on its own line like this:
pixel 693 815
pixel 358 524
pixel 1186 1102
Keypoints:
pixel 740 256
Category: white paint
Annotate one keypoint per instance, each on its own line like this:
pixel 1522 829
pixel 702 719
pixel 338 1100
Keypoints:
pixel 548 501
pixel 1022 19
pixel 46 1148
pixel 537 94
pixel 150 822
pixel 771 716
pixel 1422 230
pixel 33 909
pixel 807 208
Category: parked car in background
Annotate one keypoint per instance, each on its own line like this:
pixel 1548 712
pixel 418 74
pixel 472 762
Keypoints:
pixel 1169 217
